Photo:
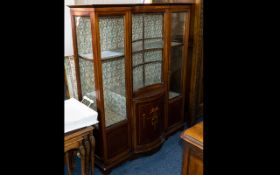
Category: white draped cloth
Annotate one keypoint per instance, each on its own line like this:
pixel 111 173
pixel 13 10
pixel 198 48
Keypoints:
pixel 78 115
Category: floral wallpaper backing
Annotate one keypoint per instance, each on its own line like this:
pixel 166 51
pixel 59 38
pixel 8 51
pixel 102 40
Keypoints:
pixel 111 31
pixel 113 70
pixel 152 25
pixel 83 34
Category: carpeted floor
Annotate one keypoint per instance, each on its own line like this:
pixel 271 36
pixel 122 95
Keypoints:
pixel 167 161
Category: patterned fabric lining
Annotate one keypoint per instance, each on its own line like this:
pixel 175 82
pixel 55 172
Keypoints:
pixel 147 74
pixel 113 71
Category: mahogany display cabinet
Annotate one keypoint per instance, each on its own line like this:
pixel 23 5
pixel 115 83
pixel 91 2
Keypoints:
pixel 130 59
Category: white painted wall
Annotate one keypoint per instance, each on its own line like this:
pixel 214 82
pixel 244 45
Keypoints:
pixel 68 47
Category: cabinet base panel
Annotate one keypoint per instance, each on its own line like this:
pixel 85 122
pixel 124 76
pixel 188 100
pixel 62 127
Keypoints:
pixel 150 147
pixel 107 168
pixel 171 130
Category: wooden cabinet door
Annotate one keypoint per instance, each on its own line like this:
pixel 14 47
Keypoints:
pixel 149 113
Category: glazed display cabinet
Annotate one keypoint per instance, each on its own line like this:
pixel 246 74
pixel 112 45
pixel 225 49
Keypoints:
pixel 130 59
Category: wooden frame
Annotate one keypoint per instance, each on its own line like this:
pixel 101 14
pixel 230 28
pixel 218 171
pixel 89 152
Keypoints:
pixel 194 96
pixel 180 124
pixel 118 142
pixel 98 67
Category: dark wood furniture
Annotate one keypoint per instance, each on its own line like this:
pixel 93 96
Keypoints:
pixel 194 79
pixel 195 89
pixel 193 150
pixel 83 141
pixel 130 59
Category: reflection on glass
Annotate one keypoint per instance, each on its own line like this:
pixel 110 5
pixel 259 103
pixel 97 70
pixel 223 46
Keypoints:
pixel 113 68
pixel 83 31
pixel 178 21
pixel 147 48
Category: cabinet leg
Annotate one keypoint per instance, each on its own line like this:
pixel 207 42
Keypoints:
pixel 92 143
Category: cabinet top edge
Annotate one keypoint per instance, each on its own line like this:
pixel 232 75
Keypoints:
pixel 127 5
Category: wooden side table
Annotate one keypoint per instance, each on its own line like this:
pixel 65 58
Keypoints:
pixel 193 150
pixel 83 141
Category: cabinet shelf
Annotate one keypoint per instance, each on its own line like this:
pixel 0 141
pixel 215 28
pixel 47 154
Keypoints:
pixel 105 55
pixel 136 47
pixel 149 62
pixel 173 94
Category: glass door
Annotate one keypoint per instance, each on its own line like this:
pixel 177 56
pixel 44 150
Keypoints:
pixel 112 42
pixel 85 59
pixel 178 24
pixel 147 49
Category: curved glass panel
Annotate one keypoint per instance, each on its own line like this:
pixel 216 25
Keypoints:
pixel 147 49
